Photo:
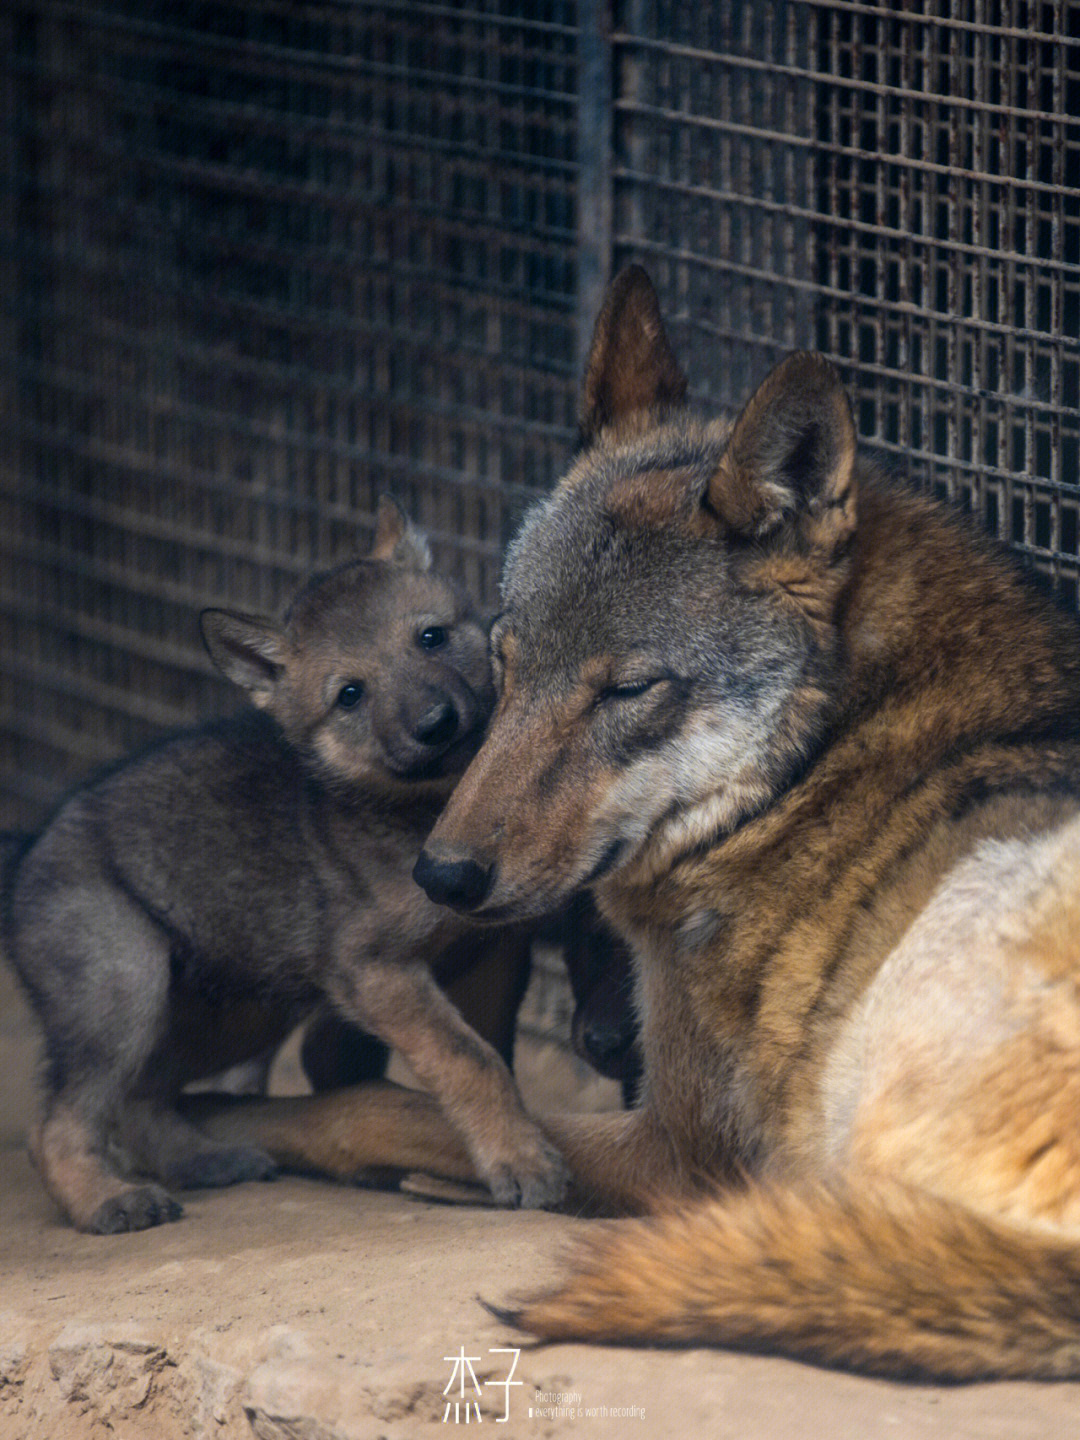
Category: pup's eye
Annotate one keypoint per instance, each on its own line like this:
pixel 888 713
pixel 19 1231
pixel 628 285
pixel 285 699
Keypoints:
pixel 350 695
pixel 431 637
pixel 629 691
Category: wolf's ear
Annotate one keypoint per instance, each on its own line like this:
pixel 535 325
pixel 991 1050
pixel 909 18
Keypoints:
pixel 631 365
pixel 246 648
pixel 791 453
pixel 397 539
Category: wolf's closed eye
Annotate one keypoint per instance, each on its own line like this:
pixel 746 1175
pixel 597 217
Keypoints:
pixel 628 691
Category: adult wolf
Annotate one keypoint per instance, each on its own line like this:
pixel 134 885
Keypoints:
pixel 816 749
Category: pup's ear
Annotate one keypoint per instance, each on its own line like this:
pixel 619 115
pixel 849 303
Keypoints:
pixel 397 539
pixel 791 453
pixel 632 366
pixel 246 648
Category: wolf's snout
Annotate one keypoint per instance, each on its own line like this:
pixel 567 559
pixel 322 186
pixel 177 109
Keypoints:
pixel 438 725
pixel 457 882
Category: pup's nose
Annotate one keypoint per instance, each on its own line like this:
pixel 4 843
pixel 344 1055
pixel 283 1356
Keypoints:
pixel 461 884
pixel 437 725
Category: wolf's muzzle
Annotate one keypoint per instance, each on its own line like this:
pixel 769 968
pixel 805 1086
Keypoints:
pixel 461 884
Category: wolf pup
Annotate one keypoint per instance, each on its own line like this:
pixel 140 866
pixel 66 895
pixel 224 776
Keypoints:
pixel 816 749
pixel 179 914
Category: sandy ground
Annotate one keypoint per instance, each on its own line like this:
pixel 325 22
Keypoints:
pixel 303 1311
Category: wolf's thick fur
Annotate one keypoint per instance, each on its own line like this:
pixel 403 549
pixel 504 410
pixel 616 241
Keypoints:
pixel 817 750
pixel 179 914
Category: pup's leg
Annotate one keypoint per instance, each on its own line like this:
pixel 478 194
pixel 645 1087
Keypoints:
pixel 489 991
pixel 68 1147
pixel 164 1144
pixel 404 1006
pixel 99 970
pixel 486 979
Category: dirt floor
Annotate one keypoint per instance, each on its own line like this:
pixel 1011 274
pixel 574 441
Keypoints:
pixel 302 1311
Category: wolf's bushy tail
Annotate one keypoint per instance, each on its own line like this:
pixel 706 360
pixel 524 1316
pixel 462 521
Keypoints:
pixel 887 1282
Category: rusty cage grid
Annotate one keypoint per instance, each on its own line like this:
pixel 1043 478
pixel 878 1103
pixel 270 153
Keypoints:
pixel 897 186
pixel 262 260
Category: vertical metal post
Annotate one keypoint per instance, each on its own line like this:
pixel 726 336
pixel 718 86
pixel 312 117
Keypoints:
pixel 595 136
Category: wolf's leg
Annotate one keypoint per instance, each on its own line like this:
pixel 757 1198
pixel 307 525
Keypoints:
pixel 343 1134
pixel 401 1003
pixel 618 1161
pixel 959 1071
pixel 621 1162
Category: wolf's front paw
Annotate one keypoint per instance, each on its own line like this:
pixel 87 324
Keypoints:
pixel 535 1177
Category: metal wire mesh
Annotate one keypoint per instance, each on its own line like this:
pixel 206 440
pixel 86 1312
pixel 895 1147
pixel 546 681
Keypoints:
pixel 262 261
pixel 898 186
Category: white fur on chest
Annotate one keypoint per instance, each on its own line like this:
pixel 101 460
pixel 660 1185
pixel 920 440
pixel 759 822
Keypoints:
pixel 964 980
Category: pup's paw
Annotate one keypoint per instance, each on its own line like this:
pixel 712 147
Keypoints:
pixel 229 1165
pixel 139 1208
pixel 535 1177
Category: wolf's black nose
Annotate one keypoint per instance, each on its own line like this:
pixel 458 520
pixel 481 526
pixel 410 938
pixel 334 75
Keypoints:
pixel 461 884
pixel 437 725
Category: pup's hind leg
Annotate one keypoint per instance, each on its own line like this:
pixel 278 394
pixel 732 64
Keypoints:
pixel 99 971
pixel 68 1147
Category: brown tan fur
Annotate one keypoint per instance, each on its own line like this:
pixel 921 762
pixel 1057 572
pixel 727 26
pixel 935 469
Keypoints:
pixel 816 748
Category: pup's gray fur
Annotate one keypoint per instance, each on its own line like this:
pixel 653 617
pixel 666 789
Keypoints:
pixel 180 913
